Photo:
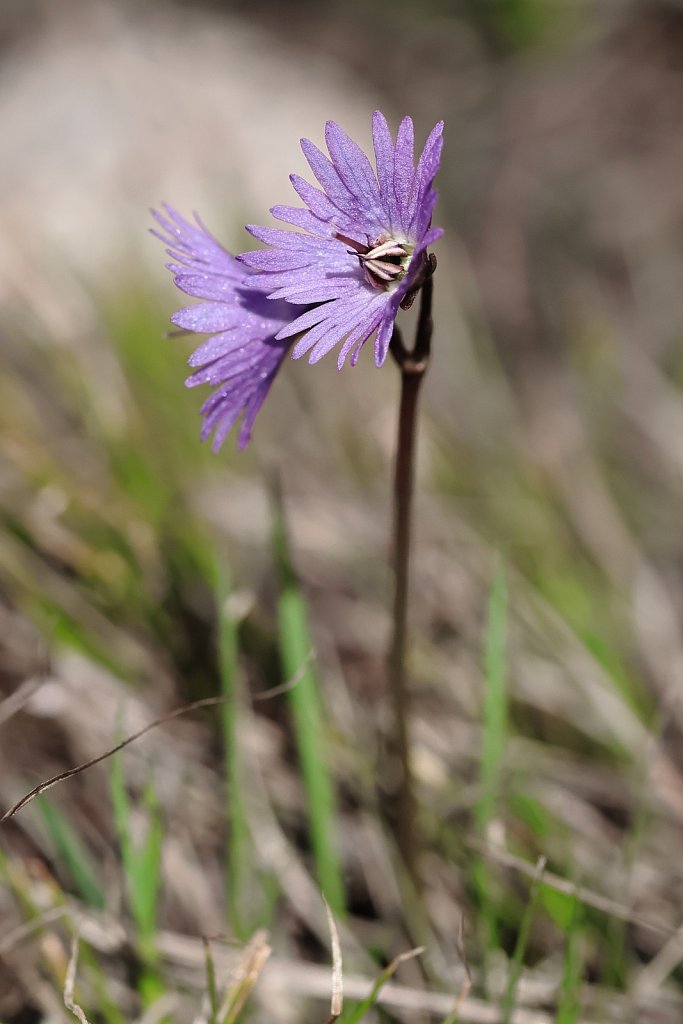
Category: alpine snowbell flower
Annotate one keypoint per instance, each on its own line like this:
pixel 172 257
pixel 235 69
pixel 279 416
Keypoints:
pixel 242 356
pixel 361 252
pixel 358 253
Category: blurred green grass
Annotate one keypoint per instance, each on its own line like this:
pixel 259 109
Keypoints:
pixel 150 590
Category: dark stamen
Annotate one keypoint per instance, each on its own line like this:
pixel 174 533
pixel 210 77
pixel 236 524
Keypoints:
pixel 357 247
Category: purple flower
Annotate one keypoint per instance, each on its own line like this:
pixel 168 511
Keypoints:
pixel 362 250
pixel 242 356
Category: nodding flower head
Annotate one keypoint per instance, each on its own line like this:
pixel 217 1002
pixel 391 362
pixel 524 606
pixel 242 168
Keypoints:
pixel 361 252
pixel 359 255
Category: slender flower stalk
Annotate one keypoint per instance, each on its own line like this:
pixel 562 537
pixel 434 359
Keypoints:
pixel 400 804
pixel 358 254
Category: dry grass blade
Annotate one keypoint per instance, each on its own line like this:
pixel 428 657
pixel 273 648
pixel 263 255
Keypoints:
pixel 660 967
pixel 15 702
pixel 406 1002
pixel 196 705
pixel 69 774
pixel 70 983
pixel 286 979
pixel 587 896
pixel 337 1001
pixel 159 1010
pixel 246 974
pixel 23 931
pixel 466 986
pixel 276 691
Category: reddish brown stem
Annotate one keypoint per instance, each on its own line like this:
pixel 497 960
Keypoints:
pixel 401 804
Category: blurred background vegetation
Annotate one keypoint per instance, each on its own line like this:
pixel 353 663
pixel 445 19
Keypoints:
pixel 138 572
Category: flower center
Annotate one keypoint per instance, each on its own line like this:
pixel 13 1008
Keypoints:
pixel 384 261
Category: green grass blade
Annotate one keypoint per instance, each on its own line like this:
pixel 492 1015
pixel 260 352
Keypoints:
pixel 309 725
pixel 520 945
pixel 210 982
pixel 495 701
pixel 238 871
pixel 147 869
pixel 119 798
pixel 142 874
pixel 141 867
pixel 356 1014
pixel 74 854
pixel 494 737
pixel 570 990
